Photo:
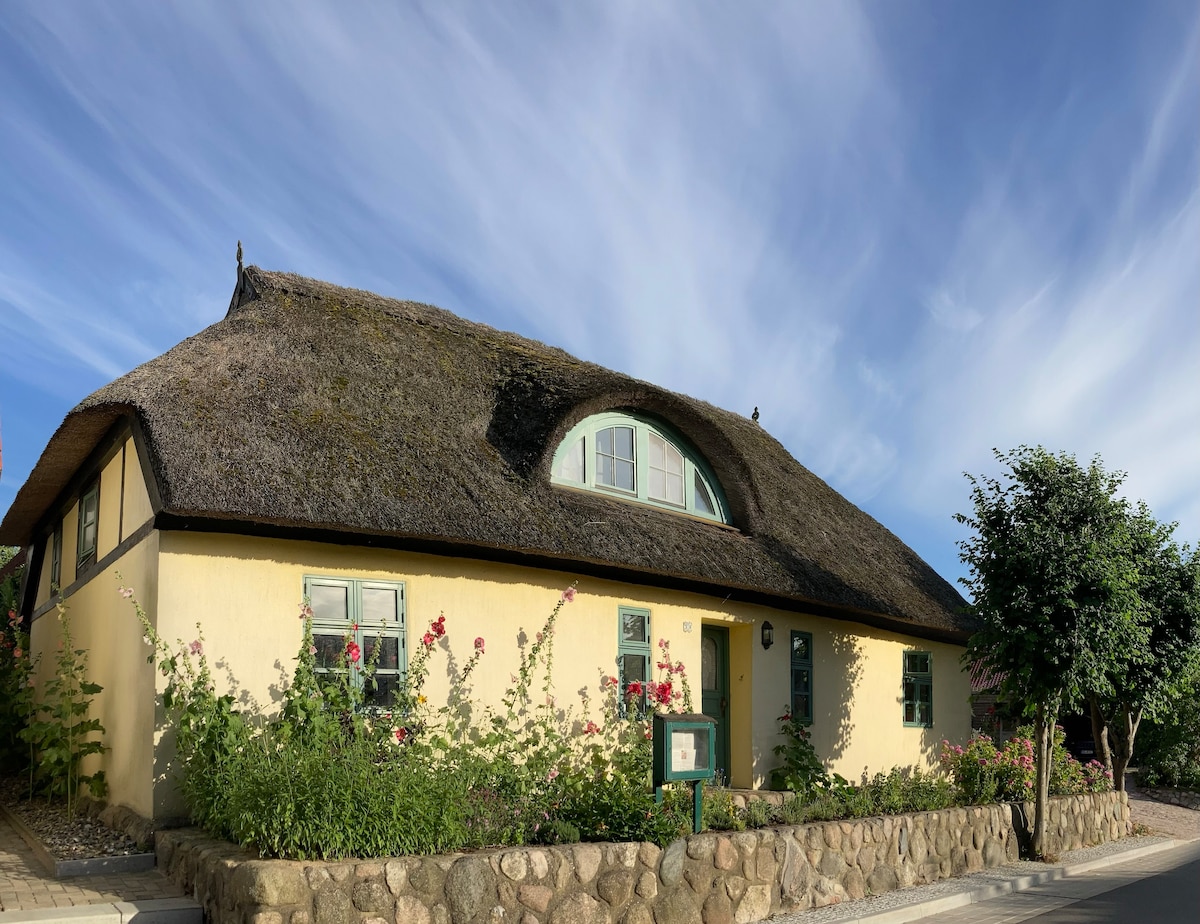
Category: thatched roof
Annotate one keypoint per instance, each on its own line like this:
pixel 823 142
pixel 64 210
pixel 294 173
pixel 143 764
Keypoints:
pixel 312 407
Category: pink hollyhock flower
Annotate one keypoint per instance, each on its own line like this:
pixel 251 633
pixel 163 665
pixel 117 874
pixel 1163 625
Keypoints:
pixel 401 734
pixel 479 644
pixel 634 688
pixel 196 647
pixel 591 728
pixel 17 652
pixel 568 595
pixel 305 611
pixel 126 592
pixel 353 652
pixel 427 640
pixel 312 649
pixel 551 776
pixel 12 615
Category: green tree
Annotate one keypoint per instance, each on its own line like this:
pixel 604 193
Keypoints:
pixel 10 584
pixel 1054 588
pixel 1146 680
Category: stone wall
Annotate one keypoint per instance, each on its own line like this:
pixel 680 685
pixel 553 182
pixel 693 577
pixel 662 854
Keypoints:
pixel 714 877
pixel 1183 797
pixel 1076 821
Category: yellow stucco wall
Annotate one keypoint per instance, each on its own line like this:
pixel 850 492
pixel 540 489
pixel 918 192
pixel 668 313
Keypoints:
pixel 109 526
pixel 104 624
pixel 245 592
pixel 137 499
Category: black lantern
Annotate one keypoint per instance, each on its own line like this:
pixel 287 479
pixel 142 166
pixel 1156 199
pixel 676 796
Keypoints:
pixel 768 635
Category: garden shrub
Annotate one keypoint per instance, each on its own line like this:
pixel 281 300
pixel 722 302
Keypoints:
pixel 984 773
pixel 17 669
pixel 1168 747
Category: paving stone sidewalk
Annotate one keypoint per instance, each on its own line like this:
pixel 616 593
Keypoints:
pixel 26 886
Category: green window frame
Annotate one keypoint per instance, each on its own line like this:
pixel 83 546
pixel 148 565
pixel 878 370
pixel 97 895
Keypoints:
pixel 367 612
pixel 89 524
pixel 802 677
pixel 56 542
pixel 918 689
pixel 633 650
pixel 634 458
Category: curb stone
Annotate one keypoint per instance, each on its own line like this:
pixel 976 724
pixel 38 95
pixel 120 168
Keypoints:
pixel 92 866
pixel 153 911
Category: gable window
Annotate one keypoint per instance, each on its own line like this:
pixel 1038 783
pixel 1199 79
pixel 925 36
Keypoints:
pixel 367 613
pixel 639 459
pixel 89 520
pixel 802 676
pixel 918 688
pixel 633 650
pixel 56 559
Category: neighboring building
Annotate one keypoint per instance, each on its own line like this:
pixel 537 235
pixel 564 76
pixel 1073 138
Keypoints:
pixel 396 462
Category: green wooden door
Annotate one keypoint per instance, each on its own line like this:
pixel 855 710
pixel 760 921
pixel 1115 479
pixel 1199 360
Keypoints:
pixel 714 689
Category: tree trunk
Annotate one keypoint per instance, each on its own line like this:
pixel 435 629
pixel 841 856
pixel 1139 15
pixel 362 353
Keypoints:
pixel 1044 729
pixel 1100 734
pixel 1124 733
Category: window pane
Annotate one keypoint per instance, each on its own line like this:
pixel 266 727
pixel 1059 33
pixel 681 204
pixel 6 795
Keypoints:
pixel 801 681
pixel 625 475
pixel 329 602
pixel 918 662
pixel 604 469
pixel 910 712
pixel 604 441
pixel 800 706
pixel 329 650
pixel 380 690
pixel 570 464
pixel 657 487
pixel 674 460
pixel 389 652
pixel 910 691
pixel 708 664
pixel 674 492
pixel 657 447
pixel 624 442
pixel 633 627
pixel 633 667
pixel 378 606
pixel 703 502
pixel 925 692
pixel 800 651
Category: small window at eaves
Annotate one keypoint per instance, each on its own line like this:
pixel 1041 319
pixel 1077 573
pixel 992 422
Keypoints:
pixel 638 459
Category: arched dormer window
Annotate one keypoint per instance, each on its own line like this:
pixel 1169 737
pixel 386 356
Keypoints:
pixel 638 459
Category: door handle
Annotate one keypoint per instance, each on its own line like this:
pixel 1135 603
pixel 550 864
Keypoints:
pixel 724 703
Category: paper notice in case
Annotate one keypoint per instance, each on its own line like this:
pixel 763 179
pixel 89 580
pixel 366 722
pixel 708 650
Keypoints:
pixel 689 750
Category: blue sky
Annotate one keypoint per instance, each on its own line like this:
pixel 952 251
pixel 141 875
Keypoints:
pixel 908 232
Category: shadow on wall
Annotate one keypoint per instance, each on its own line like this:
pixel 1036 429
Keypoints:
pixel 847 661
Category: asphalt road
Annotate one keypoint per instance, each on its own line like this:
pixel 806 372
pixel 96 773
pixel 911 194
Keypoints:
pixel 1169 897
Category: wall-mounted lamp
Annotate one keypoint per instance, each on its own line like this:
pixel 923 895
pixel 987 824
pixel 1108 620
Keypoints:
pixel 768 635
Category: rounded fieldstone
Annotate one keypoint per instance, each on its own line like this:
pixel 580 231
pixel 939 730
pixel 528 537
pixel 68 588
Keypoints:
pixel 318 877
pixel 579 908
pixel 725 855
pixel 832 834
pixel 699 879
pixel 854 884
pixel 412 910
pixel 717 909
pixel 427 878
pixel 649 854
pixel 615 886
pixel 514 864
pixel 735 887
pixel 670 869
pixel 536 897
pixel 701 846
pixel 622 855
pixel 638 914
pixel 754 906
pixel 647 886
pixel 334 908
pixel 866 859
pixel 371 896
pixel 587 861
pixel 676 907
pixel 269 882
pixel 470 887
pixel 395 874
pixel 539 864
pixel 882 879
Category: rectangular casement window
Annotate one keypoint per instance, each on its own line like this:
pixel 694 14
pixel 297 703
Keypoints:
pixel 89 520
pixel 633 648
pixel 918 688
pixel 367 613
pixel 802 672
pixel 56 559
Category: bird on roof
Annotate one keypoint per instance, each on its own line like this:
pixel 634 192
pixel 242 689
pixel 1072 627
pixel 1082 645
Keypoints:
pixel 754 416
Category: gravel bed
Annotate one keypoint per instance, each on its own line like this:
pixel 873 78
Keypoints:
pixel 65 837
pixel 899 898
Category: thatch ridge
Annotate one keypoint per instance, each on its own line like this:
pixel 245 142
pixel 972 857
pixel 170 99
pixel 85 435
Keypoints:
pixel 319 407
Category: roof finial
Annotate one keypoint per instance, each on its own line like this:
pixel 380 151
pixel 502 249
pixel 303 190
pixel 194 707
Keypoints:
pixel 754 416
pixel 239 259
